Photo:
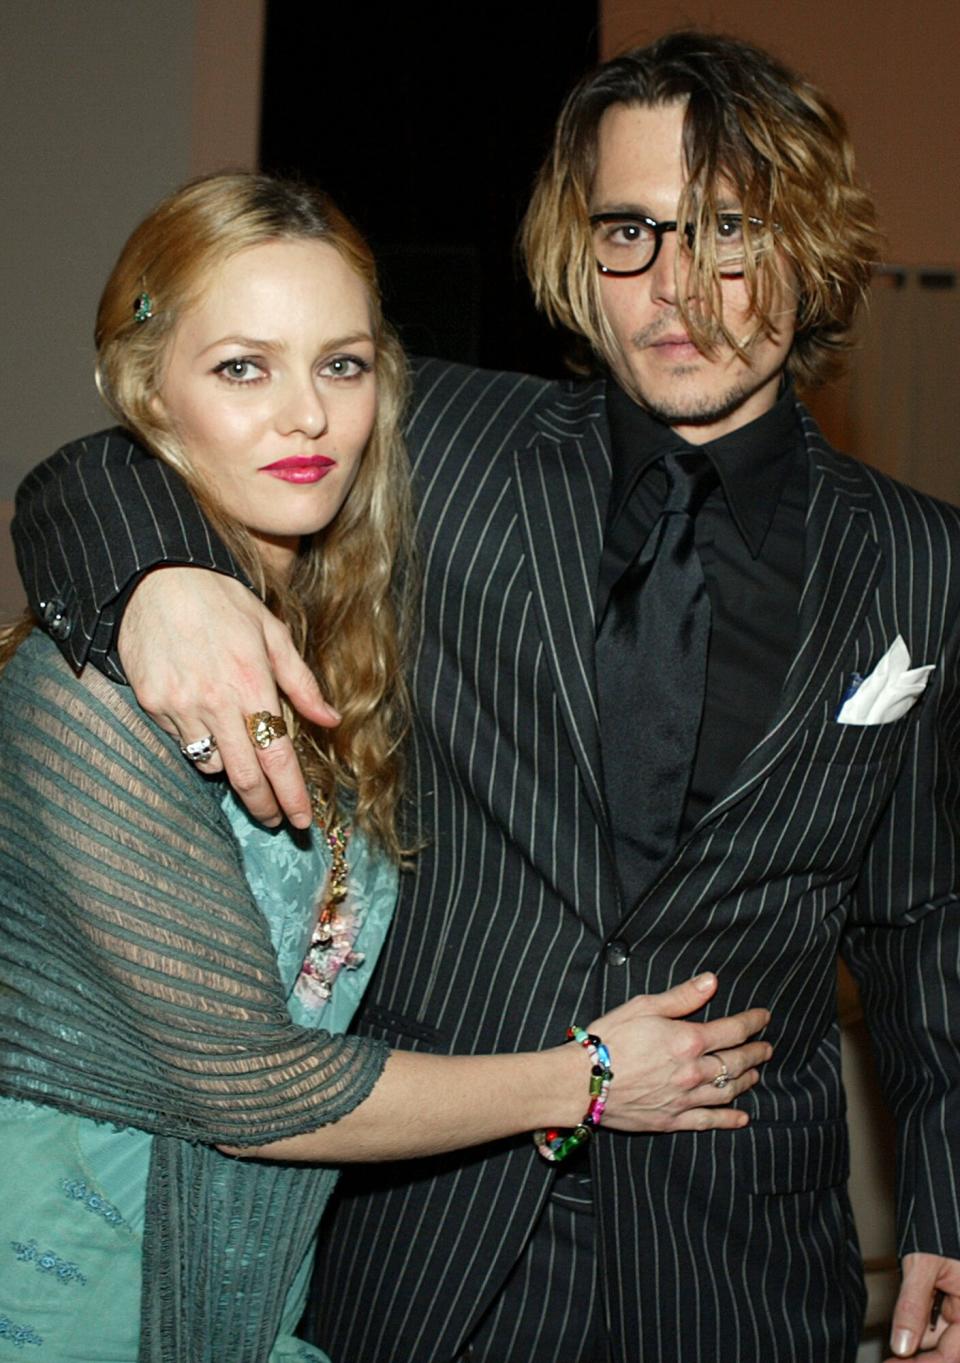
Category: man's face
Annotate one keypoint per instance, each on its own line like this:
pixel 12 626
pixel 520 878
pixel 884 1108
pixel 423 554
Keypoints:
pixel 640 170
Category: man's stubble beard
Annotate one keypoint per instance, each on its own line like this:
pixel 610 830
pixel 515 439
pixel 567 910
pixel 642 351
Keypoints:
pixel 694 410
pixel 691 409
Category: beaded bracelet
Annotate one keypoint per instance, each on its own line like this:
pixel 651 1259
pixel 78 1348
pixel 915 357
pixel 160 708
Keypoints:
pixel 554 1145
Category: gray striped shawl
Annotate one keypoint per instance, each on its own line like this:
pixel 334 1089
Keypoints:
pixel 139 986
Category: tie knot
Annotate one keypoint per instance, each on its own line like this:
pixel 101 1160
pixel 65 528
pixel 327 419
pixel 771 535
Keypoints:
pixel 691 477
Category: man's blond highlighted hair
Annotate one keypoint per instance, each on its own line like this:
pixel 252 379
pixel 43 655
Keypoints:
pixel 751 128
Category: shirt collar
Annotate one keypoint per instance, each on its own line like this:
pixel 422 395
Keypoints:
pixel 752 462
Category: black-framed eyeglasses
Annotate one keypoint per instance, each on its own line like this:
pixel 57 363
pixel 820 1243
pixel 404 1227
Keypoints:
pixel 628 244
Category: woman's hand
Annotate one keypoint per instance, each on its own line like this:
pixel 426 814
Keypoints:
pixel 200 652
pixel 663 1071
pixel 664 1068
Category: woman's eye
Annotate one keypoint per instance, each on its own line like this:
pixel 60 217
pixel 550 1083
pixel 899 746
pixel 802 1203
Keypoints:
pixel 239 370
pixel 345 367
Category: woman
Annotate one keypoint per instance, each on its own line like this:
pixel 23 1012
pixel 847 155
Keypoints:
pixel 178 977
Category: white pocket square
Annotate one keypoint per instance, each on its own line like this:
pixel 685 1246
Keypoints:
pixel 889 691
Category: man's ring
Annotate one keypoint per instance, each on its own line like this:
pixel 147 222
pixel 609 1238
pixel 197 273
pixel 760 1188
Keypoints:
pixel 723 1078
pixel 263 728
pixel 200 750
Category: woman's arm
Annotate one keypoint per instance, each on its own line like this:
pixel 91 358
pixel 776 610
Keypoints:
pixel 143 982
pixel 147 991
pixel 663 1068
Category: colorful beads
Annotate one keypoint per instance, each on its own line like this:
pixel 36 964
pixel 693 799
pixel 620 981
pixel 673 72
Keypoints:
pixel 554 1145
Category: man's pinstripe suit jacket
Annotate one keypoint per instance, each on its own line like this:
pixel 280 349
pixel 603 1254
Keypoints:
pixel 720 1246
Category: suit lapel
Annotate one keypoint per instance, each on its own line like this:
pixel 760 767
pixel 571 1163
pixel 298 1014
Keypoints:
pixel 562 481
pixel 841 564
pixel 562 484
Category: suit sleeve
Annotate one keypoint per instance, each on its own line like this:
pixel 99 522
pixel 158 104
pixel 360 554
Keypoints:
pixel 904 949
pixel 89 523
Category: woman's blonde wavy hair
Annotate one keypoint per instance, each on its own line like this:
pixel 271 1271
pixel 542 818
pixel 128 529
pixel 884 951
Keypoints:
pixel 348 603
pixel 751 127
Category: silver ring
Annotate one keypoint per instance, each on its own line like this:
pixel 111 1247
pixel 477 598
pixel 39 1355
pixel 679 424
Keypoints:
pixel 723 1078
pixel 200 750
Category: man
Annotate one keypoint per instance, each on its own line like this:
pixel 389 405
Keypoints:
pixel 620 785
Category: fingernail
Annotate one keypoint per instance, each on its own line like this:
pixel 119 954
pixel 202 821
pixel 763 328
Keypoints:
pixel 902 1343
pixel 704 982
pixel 335 713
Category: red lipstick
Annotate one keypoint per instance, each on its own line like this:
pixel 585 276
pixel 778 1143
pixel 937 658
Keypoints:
pixel 301 468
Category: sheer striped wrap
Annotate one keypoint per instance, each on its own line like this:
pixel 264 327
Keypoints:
pixel 138 985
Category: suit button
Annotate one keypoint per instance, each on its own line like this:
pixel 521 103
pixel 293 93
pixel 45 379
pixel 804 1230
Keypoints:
pixel 56 619
pixel 616 952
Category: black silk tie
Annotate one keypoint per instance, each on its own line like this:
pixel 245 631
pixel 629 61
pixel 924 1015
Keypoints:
pixel 651 671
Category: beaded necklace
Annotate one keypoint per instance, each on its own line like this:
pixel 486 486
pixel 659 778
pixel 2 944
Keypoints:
pixel 331 944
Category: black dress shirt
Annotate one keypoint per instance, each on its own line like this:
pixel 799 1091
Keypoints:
pixel 750 537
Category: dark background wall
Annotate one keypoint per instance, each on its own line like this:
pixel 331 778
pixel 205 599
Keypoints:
pixel 429 135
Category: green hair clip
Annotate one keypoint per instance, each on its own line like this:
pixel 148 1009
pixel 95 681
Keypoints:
pixel 142 307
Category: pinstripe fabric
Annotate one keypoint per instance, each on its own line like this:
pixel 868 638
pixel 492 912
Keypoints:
pixel 549 1309
pixel 89 521
pixel 726 1246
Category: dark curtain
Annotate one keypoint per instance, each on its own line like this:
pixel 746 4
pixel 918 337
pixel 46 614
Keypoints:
pixel 427 125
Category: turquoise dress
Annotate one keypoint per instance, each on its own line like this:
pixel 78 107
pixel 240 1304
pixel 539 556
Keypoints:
pixel 71 1238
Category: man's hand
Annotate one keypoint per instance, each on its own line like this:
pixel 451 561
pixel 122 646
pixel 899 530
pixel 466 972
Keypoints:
pixel 201 652
pixel 925 1276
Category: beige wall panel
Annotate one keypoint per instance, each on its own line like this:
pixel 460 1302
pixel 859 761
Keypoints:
pixel 12 599
pixel 227 78
pixel 899 408
pixel 95 106
pixel 106 105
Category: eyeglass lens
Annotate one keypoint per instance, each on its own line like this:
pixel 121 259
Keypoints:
pixel 628 245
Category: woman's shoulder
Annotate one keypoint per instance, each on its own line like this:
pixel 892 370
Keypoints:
pixel 38 660
pixel 37 674
pixel 52 711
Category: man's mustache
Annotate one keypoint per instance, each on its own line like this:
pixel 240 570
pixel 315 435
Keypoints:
pixel 666 325
pixel 671 324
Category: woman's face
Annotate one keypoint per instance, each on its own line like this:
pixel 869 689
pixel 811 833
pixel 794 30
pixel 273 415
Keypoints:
pixel 269 386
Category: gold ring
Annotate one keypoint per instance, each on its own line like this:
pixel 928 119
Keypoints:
pixel 263 728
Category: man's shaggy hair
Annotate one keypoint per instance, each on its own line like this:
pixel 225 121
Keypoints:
pixel 753 130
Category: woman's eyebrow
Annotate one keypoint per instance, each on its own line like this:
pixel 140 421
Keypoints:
pixel 263 343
